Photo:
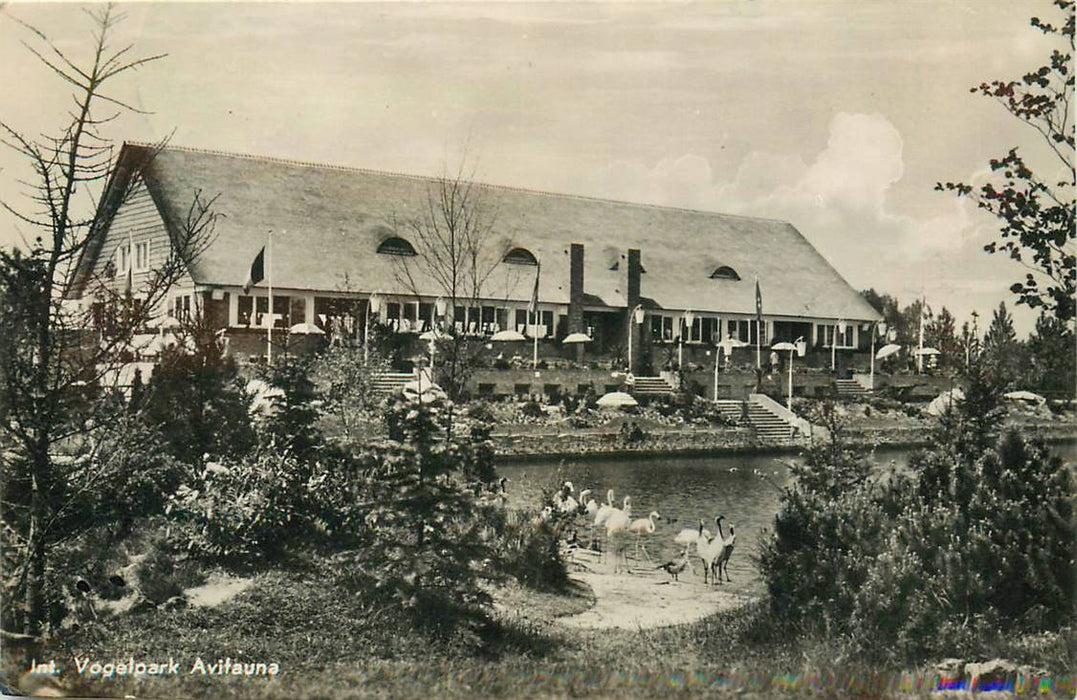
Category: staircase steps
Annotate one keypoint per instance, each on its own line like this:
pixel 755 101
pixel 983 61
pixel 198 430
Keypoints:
pixel 850 388
pixel 388 382
pixel 768 427
pixel 651 386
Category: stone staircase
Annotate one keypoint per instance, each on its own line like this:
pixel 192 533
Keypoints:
pixel 651 386
pixel 388 382
pixel 769 427
pixel 850 389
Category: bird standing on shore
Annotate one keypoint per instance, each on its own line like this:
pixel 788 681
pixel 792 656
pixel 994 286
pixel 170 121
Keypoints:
pixel 710 550
pixel 643 526
pixel 723 561
pixel 616 528
pixel 674 567
pixel 688 537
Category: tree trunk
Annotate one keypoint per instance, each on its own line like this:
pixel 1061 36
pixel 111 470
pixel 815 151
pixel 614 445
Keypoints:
pixel 35 580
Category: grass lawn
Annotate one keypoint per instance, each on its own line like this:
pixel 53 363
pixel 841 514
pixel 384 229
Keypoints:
pixel 331 647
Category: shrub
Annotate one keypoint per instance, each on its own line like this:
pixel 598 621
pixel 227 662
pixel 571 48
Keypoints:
pixel 532 409
pixel 527 548
pixel 197 401
pixel 413 524
pixel 977 542
pixel 249 510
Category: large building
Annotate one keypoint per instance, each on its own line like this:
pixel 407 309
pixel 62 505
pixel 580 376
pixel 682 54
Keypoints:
pixel 342 235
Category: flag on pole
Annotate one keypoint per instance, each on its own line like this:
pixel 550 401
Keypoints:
pixel 532 306
pixel 758 304
pixel 758 325
pixel 257 273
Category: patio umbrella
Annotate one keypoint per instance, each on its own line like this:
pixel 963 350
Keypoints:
pixel 306 329
pixel 577 338
pixel 730 343
pixel 434 335
pixel 617 399
pixel 927 352
pixel 507 336
pixel 1024 396
pixel 886 351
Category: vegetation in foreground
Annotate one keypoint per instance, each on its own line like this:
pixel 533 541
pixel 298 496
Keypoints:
pixel 328 645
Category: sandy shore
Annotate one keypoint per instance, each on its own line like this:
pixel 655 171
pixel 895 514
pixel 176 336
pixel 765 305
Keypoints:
pixel 645 597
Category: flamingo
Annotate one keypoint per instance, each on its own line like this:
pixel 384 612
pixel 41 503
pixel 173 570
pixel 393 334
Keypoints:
pixel 563 499
pixel 588 505
pixel 689 536
pixel 617 525
pixel 603 513
pixel 643 526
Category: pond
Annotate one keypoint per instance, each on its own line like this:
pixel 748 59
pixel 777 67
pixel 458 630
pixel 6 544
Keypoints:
pixel 744 488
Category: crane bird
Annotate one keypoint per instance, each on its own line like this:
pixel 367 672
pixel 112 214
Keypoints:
pixel 710 550
pixel 644 526
pixel 722 563
pixel 617 525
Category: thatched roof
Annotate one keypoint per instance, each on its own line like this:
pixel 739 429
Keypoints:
pixel 328 221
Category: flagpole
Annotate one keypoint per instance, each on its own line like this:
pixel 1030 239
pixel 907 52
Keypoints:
pixel 533 315
pixel 758 326
pixel 269 280
pixel 920 354
pixel 834 349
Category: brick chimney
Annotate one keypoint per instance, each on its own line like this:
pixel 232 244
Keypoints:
pixel 633 297
pixel 575 294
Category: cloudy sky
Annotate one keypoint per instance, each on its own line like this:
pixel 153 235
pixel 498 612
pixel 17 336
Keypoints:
pixel 837 116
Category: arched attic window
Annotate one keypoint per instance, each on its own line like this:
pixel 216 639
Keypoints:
pixel 395 245
pixel 725 272
pixel 520 256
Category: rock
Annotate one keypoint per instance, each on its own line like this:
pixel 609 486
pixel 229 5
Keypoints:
pixel 176 602
pixel 995 674
pixel 142 605
pixel 949 670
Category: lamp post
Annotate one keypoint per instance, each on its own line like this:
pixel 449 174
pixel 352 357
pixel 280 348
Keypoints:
pixel 633 318
pixel 792 348
pixel 878 327
pixel 373 307
pixel 689 319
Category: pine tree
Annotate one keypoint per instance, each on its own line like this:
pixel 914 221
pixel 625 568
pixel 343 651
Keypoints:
pixel 1003 353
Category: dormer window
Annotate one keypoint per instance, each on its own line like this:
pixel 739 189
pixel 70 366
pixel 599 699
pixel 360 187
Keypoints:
pixel 725 273
pixel 395 245
pixel 520 256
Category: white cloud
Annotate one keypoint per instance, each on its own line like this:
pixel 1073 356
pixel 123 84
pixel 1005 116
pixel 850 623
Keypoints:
pixel 841 199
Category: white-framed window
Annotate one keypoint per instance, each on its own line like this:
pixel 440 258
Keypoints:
pixel 708 332
pixel 744 330
pixel 123 258
pixel 253 312
pixel 662 328
pixel 142 255
pixel 844 333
